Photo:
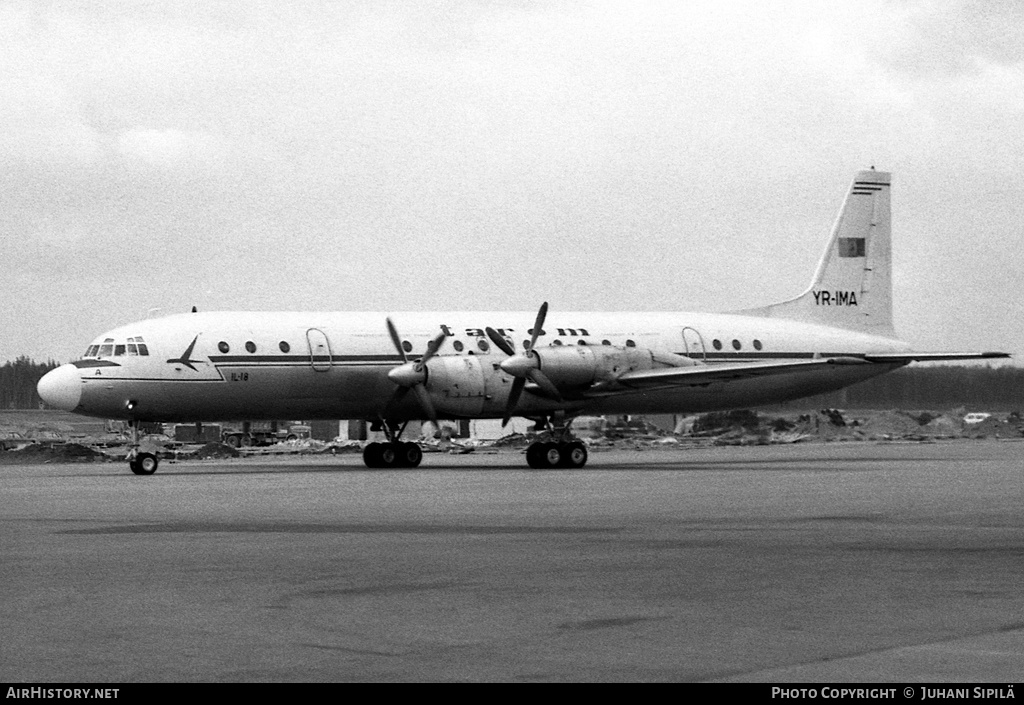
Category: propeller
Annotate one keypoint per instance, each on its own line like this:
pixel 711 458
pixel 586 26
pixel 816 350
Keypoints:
pixel 412 374
pixel 525 366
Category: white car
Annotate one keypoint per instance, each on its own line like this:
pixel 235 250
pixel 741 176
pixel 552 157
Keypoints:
pixel 976 417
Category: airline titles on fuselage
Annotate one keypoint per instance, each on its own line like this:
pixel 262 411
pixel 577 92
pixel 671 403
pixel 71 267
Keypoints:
pixel 479 332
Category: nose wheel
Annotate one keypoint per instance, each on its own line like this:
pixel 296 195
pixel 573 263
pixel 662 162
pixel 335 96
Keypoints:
pixel 144 463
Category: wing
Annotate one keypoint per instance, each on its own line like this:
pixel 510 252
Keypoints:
pixel 706 374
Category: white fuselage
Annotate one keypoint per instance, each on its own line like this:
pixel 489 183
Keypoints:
pixel 308 365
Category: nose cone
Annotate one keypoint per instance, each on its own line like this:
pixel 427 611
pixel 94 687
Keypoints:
pixel 61 388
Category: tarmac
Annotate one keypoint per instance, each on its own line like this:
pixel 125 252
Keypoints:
pixel 830 562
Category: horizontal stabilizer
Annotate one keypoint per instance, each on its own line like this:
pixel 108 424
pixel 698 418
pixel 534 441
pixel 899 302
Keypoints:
pixel 934 357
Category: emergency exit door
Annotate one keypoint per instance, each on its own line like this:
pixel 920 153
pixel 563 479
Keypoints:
pixel 319 350
pixel 693 344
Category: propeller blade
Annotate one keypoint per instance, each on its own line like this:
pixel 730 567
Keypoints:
pixel 513 398
pixel 412 375
pixel 393 332
pixel 433 346
pixel 538 324
pixel 395 399
pixel 524 366
pixel 542 381
pixel 500 342
pixel 428 406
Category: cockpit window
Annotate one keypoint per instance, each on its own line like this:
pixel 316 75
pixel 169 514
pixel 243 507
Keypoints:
pixel 110 348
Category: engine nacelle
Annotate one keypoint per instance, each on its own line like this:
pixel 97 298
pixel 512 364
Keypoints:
pixel 457 385
pixel 584 365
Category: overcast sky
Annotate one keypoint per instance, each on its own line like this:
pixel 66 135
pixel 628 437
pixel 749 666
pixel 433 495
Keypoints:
pixel 494 155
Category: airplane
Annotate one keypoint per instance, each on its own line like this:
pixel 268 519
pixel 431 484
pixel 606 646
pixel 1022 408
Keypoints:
pixel 391 369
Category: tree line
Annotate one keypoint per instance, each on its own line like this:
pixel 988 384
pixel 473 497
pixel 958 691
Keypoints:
pixel 18 383
pixel 937 388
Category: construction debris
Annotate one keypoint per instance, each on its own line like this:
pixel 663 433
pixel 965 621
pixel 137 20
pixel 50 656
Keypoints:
pixel 37 453
pixel 35 440
pixel 213 449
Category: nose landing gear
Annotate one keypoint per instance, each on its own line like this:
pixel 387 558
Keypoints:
pixel 140 463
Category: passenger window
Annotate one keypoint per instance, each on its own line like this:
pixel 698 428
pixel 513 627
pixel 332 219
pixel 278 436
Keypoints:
pixel 482 344
pixel 606 342
pixel 630 344
pixel 407 346
pixel 736 344
pixel 526 344
pixel 581 342
pixel 556 342
pixel 717 344
pixel 285 347
pixel 458 346
pixel 224 347
pixel 757 344
pixel 250 346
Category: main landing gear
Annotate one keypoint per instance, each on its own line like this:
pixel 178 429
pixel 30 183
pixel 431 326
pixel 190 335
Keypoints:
pixel 558 449
pixel 556 455
pixel 561 451
pixel 139 462
pixel 394 453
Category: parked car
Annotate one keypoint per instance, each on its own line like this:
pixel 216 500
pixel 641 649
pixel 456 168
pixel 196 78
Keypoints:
pixel 976 417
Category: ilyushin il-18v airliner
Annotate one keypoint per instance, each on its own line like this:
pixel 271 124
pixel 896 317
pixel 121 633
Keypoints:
pixel 548 367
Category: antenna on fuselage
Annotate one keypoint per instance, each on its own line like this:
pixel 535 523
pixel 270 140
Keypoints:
pixel 195 310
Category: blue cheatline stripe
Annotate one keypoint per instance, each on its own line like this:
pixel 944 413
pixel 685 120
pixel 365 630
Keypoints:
pixel 348 360
pixel 301 359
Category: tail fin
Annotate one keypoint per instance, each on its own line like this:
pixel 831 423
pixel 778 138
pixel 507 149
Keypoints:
pixel 852 287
